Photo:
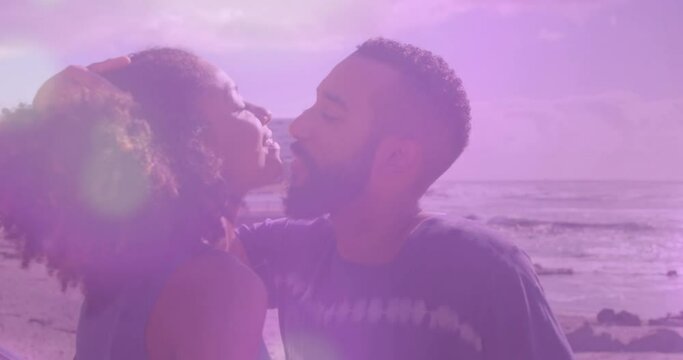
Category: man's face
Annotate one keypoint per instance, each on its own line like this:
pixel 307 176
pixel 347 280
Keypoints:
pixel 336 138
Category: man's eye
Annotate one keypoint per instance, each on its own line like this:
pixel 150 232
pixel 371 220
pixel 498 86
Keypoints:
pixel 329 117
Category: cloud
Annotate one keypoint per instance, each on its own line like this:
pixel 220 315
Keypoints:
pixel 216 25
pixel 392 16
pixel 22 70
pixel 395 16
pixel 408 13
pixel 7 51
pixel 575 10
pixel 550 36
pixel 613 20
pixel 613 135
pixel 206 24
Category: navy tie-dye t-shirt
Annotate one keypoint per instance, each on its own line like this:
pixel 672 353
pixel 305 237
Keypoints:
pixel 455 291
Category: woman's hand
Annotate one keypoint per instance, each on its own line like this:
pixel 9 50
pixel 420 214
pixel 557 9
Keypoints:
pixel 75 82
pixel 109 64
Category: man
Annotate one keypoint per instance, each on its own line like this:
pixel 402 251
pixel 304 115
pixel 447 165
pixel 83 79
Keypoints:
pixel 370 276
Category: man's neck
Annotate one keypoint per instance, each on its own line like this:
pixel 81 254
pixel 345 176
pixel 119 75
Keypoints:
pixel 230 211
pixel 373 231
pixel 232 205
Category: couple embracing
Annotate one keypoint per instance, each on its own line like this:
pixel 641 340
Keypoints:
pixel 127 177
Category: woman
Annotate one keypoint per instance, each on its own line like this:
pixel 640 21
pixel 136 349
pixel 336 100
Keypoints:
pixel 126 189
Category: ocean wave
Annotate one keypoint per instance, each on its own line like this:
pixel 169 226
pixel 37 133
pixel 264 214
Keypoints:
pixel 503 221
pixel 561 198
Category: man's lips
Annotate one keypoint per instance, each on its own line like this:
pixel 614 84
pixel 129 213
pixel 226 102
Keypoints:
pixel 302 165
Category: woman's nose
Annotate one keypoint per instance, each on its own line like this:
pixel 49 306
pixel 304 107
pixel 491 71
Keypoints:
pixel 261 113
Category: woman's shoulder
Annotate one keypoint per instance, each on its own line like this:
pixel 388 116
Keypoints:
pixel 211 290
pixel 216 274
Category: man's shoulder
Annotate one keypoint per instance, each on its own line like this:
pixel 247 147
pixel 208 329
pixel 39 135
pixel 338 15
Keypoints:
pixel 461 235
pixel 462 242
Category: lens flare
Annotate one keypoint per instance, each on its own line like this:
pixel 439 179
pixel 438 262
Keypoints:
pixel 317 347
pixel 114 183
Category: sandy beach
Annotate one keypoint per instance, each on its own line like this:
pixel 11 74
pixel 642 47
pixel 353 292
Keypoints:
pixel 38 320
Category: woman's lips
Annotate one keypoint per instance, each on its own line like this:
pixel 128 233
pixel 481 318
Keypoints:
pixel 273 149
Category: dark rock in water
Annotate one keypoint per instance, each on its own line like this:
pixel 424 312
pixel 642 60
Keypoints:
pixel 472 217
pixel 668 320
pixel 662 340
pixel 623 318
pixel 606 316
pixel 672 273
pixel 584 339
pixel 565 225
pixel 9 255
pixel 541 270
pixel 628 319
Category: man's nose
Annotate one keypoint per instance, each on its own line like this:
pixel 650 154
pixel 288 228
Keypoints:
pixel 299 128
pixel 261 113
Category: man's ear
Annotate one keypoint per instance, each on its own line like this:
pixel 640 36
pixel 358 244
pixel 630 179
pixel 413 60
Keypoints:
pixel 399 155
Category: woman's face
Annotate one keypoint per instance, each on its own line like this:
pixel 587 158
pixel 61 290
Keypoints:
pixel 237 132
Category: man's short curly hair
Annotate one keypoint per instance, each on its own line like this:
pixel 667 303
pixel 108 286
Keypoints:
pixel 428 76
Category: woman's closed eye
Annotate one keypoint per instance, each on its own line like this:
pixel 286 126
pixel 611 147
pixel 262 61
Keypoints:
pixel 240 113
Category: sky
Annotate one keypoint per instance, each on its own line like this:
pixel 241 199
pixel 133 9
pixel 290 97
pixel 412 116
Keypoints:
pixel 564 89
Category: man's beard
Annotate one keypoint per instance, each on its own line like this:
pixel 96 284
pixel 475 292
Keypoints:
pixel 325 190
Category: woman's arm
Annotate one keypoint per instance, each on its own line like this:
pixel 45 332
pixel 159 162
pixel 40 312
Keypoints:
pixel 213 307
pixel 72 83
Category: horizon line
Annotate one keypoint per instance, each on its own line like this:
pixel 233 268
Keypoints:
pixel 571 180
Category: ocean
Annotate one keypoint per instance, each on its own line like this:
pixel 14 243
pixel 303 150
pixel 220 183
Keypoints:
pixel 619 238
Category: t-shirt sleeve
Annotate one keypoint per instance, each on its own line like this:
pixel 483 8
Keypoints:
pixel 520 323
pixel 263 244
